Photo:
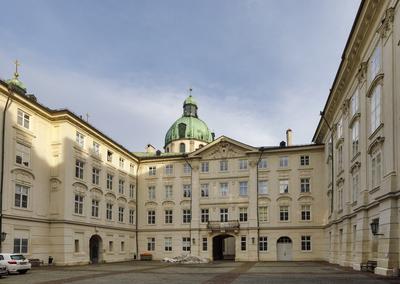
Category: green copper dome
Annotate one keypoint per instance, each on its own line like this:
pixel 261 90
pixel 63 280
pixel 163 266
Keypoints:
pixel 189 126
pixel 17 82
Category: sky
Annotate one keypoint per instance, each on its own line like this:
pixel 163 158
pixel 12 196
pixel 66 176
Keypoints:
pixel 256 67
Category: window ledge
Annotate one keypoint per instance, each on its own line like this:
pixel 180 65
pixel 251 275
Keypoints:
pixel 372 135
pixel 375 189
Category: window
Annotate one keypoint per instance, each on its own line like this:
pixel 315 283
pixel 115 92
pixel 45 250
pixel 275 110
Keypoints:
pixel 21 196
pixel 79 169
pixel 304 185
pixel 263 243
pixel 95 176
pixel 283 162
pixel 76 246
pixel 284 186
pixel 340 198
pixel 355 137
pixel 223 214
pixel 131 191
pixel 304 160
pixel 354 102
pixel 121 162
pixel 110 246
pixel 121 214
pixel 243 214
pixel 122 246
pixel 340 128
pixel 182 148
pixel 132 168
pixel 204 215
pixel 168 216
pixel 167 244
pixel 243 188
pixel 186 244
pixel 96 148
pixel 243 243
pixel 95 208
pixel 263 214
pixel 109 156
pixel 169 170
pixel 121 186
pixel 151 244
pixel 305 212
pixel 151 193
pixel 78 204
pixel 131 216
pixel 204 190
pixel 205 167
pixel 80 139
pixel 151 217
pixel 355 186
pixel 284 213
pixel 152 171
pixel 20 245
pixel 187 169
pixel 340 158
pixel 23 119
pixel 375 62
pixel 305 243
pixel 375 110
pixel 204 244
pixel 187 190
pixel 110 181
pixel 223 189
pixel 223 165
pixel 109 208
pixel 186 216
pixel 23 155
pixel 242 164
pixel 262 164
pixel 168 192
pixel 263 187
pixel 376 169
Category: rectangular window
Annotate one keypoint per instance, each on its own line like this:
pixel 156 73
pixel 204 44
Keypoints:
pixel 242 164
pixel 186 244
pixel 284 186
pixel 23 119
pixel 340 158
pixel 167 244
pixel 168 192
pixel 305 243
pixel 284 213
pixel 223 214
pixel 80 139
pixel 340 198
pixel 205 167
pixel 243 214
pixel 204 215
pixel 79 169
pixel 263 187
pixel 204 190
pixel 23 155
pixel 121 214
pixel 204 244
pixel 121 163
pixel 263 214
pixel 375 63
pixel 20 245
pixel 151 244
pixel 263 243
pixel 169 170
pixel 95 176
pixel 223 165
pixel 376 169
pixel 132 168
pixel 243 243
pixel 131 191
pixel 187 169
pixel 340 128
pixel 121 186
pixel 355 186
pixel 110 181
pixel 304 185
pixel 151 217
pixel 109 156
pixel 168 216
pixel 76 245
pixel 78 204
pixel 111 246
pixel 152 171
pixel 305 212
pixel 304 160
pixel 262 164
pixel 355 137
pixel 21 196
pixel 187 190
pixel 243 188
pixel 186 216
pixel 131 216
pixel 354 102
pixel 284 162
pixel 109 211
pixel 223 189
pixel 95 208
pixel 375 110
pixel 151 192
pixel 96 148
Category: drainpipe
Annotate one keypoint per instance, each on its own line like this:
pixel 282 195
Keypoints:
pixel 3 133
pixel 332 165
pixel 258 221
pixel 191 200
pixel 137 211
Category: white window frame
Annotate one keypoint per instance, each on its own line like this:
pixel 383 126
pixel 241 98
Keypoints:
pixel 204 190
pixel 23 119
pixel 21 196
pixel 223 189
pixel 80 139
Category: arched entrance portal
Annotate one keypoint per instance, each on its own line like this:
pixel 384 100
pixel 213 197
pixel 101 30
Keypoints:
pixel 224 247
pixel 95 247
pixel 284 249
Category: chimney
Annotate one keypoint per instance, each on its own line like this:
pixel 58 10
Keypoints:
pixel 289 137
pixel 150 148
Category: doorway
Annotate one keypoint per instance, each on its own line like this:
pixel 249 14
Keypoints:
pixel 284 249
pixel 224 247
pixel 95 246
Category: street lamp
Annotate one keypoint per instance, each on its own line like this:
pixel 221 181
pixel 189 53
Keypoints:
pixel 375 227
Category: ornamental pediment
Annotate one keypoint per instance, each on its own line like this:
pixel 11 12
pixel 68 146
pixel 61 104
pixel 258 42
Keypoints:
pixel 168 203
pixel 151 203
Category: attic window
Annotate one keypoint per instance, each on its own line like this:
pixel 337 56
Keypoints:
pixel 182 130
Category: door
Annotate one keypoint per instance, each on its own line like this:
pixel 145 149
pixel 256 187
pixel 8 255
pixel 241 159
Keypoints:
pixel 284 249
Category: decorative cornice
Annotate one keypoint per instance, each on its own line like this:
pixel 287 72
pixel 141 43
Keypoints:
pixel 355 166
pixel 377 141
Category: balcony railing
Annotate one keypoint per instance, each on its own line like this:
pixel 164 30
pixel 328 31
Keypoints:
pixel 229 226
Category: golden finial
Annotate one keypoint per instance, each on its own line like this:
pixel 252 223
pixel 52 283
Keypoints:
pixel 190 91
pixel 16 74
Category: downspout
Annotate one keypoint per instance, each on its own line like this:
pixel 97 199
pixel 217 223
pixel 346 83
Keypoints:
pixel 137 211
pixel 258 221
pixel 191 200
pixel 3 132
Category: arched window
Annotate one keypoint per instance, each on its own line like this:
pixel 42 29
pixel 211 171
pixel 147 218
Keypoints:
pixel 375 111
pixel 182 148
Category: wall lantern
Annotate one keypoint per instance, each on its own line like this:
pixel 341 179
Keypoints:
pixel 3 236
pixel 375 227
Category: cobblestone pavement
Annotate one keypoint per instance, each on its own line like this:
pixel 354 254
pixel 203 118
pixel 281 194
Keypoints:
pixel 216 272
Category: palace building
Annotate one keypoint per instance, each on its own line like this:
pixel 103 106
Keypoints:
pixel 72 193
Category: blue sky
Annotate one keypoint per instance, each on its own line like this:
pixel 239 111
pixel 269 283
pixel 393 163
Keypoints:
pixel 257 67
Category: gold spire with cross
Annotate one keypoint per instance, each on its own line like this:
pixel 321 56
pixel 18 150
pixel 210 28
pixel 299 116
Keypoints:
pixel 190 91
pixel 17 64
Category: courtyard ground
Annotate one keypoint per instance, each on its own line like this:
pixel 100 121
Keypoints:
pixel 217 272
